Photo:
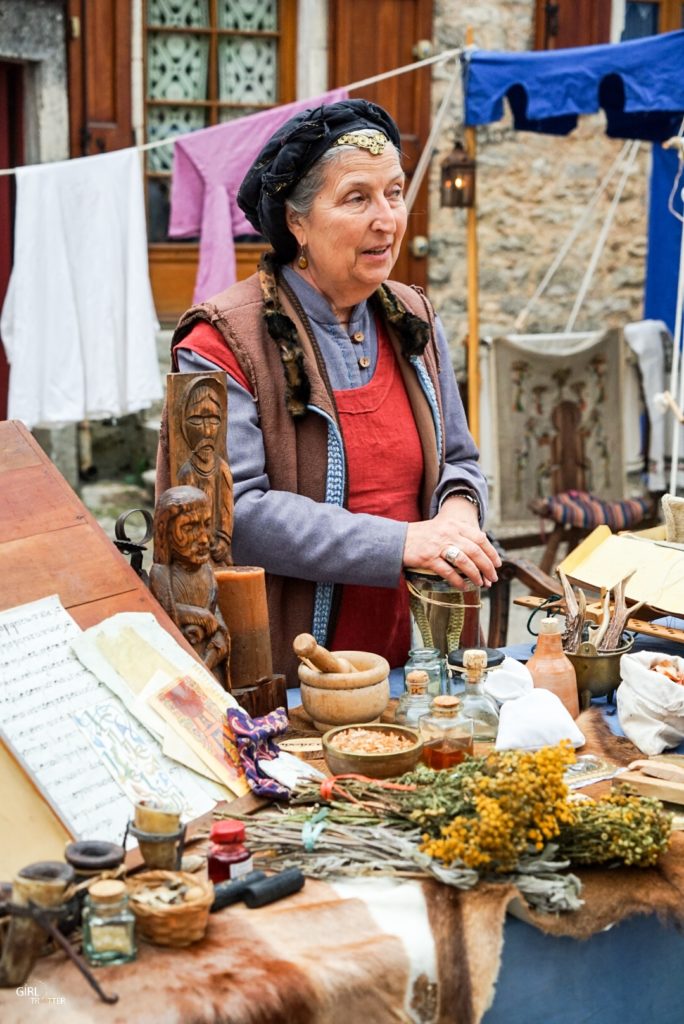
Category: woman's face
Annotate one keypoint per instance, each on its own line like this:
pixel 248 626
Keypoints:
pixel 354 229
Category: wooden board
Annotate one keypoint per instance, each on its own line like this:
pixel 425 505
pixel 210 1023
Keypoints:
pixel 51 544
pixel 635 625
pixel 661 789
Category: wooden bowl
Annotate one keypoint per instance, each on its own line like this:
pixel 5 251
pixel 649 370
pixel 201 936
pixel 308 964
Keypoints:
pixel 341 698
pixel 376 766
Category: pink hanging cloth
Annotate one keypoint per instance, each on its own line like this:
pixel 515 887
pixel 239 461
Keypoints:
pixel 208 168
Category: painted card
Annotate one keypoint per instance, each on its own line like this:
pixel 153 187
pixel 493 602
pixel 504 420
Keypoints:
pixel 199 716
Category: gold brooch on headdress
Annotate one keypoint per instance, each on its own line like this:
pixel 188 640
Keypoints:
pixel 375 142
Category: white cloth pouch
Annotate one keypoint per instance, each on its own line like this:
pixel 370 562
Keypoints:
pixel 650 706
pixel 509 680
pixel 539 719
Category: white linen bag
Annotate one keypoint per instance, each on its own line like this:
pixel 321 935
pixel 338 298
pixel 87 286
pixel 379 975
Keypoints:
pixel 538 719
pixel 650 706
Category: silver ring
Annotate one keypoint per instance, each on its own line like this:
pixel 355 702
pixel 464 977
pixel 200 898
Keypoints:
pixel 452 554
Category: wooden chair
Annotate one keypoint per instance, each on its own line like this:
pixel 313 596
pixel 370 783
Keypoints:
pixel 571 508
pixel 538 582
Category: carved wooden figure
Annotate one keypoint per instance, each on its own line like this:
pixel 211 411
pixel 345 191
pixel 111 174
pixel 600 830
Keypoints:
pixel 182 578
pixel 197 405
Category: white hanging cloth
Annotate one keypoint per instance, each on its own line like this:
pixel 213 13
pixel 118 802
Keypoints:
pixel 78 323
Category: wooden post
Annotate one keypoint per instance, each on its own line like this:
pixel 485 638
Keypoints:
pixel 473 356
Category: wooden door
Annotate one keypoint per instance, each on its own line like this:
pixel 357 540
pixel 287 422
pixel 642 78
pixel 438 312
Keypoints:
pixel 11 155
pixel 366 38
pixel 99 53
pixel 571 23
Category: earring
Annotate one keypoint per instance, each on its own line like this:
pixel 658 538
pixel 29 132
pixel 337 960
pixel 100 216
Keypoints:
pixel 302 262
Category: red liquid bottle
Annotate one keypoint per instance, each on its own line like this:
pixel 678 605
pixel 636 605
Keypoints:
pixel 228 858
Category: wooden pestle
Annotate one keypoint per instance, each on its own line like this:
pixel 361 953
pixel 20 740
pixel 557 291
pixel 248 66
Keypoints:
pixel 306 648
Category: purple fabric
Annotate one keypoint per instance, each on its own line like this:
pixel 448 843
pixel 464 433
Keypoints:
pixel 254 741
pixel 208 168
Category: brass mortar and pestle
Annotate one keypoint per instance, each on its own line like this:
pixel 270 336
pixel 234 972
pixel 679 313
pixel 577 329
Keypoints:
pixel 598 672
pixel 595 648
pixel 340 687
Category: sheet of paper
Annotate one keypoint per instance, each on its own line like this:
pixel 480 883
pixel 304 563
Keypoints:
pixel 134 656
pixel 658 569
pixel 199 716
pixel 43 686
pixel 131 647
pixel 135 761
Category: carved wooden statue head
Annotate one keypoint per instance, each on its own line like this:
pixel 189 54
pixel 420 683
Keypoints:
pixel 182 527
pixel 203 414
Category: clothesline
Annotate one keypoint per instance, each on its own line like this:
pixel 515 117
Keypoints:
pixel 439 58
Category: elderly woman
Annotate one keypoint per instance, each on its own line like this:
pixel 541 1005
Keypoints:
pixel 347 439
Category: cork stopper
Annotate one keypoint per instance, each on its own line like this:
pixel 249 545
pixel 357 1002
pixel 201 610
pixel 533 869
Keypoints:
pixel 475 662
pixel 445 705
pixel 417 681
pixel 107 890
pixel 551 626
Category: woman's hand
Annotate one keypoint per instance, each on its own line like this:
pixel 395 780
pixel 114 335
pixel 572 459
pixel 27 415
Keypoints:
pixel 472 556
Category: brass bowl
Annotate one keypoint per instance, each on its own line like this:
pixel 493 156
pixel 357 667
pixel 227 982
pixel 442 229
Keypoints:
pixel 376 766
pixel 598 672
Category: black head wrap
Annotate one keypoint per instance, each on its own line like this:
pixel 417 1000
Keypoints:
pixel 289 154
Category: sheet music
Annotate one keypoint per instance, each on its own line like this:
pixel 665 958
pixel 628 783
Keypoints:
pixel 43 686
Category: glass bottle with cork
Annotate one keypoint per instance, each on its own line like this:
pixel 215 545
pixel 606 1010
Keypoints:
pixel 426 659
pixel 475 703
pixel 228 856
pixel 108 924
pixel 446 734
pixel 416 700
pixel 550 668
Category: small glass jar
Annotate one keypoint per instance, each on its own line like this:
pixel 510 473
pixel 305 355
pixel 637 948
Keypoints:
pixel 426 659
pixel 416 701
pixel 228 857
pixel 446 734
pixel 108 924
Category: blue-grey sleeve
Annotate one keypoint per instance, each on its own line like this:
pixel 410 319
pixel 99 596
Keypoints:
pixel 288 534
pixel 462 468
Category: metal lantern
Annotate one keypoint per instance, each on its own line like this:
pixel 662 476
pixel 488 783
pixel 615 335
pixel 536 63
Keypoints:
pixel 458 178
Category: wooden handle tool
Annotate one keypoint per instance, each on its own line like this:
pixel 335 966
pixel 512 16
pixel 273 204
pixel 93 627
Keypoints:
pixel 306 648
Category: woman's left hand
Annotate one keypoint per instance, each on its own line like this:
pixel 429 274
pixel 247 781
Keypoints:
pixel 455 533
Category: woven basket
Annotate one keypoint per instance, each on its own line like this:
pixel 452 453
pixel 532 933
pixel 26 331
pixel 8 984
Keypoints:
pixel 173 925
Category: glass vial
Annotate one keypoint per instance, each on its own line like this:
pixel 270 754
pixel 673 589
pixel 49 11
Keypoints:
pixel 475 704
pixel 416 700
pixel 426 659
pixel 446 734
pixel 228 857
pixel 108 924
pixel 551 669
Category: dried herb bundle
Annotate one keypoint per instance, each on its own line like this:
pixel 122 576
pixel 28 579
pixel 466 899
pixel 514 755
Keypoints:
pixel 620 828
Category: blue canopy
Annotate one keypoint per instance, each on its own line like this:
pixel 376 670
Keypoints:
pixel 639 84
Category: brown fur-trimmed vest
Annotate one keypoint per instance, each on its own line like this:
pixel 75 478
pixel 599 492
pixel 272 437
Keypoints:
pixel 264 325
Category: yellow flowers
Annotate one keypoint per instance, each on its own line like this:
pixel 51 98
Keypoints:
pixel 518 802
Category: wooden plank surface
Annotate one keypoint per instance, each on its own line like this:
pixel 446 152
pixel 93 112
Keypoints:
pixel 51 544
pixel 30 503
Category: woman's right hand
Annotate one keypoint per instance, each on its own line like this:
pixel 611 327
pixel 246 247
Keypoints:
pixel 474 560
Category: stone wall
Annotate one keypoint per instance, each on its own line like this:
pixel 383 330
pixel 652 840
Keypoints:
pixel 531 191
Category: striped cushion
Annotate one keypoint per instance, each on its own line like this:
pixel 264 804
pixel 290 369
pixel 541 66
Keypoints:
pixel 584 510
